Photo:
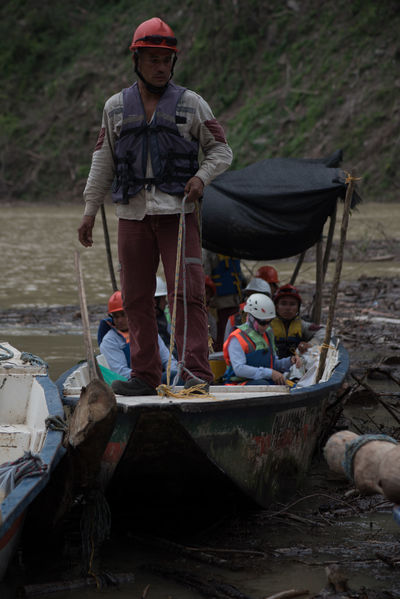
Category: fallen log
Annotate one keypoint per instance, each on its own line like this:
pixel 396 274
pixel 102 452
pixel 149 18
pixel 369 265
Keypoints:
pixel 371 461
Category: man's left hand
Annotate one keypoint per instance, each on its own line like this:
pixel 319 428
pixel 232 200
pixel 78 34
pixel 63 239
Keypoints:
pixel 194 189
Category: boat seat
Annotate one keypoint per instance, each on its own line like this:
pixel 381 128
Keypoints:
pixel 14 440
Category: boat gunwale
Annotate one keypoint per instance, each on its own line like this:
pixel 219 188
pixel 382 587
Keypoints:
pixel 295 398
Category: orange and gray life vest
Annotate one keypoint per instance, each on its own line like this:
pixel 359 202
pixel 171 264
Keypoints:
pixel 227 276
pixel 259 349
pixel 174 159
pixel 287 339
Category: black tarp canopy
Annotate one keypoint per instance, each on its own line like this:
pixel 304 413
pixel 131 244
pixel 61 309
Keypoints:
pixel 272 209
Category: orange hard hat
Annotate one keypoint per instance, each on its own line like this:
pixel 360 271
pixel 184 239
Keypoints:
pixel 287 291
pixel 115 302
pixel 211 285
pixel 154 33
pixel 268 273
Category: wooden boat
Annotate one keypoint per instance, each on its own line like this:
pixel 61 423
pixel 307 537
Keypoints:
pixel 27 398
pixel 253 441
pixel 256 442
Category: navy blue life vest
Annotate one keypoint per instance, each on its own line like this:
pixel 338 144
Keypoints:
pixel 227 276
pixel 174 159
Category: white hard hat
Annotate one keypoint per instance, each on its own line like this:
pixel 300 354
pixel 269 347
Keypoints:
pixel 260 306
pixel 161 288
pixel 258 285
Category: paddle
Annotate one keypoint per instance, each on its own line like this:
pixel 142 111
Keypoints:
pixel 93 367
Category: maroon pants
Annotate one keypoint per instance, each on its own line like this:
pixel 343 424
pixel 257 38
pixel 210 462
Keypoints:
pixel 140 245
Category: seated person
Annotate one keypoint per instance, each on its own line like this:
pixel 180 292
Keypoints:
pixel 249 350
pixel 292 332
pixel 113 339
pixel 270 275
pixel 256 285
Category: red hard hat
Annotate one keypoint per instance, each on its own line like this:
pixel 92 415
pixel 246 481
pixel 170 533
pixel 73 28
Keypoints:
pixel 211 285
pixel 268 273
pixel 154 33
pixel 287 291
pixel 115 302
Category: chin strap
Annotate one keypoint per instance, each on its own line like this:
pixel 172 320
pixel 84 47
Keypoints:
pixel 154 89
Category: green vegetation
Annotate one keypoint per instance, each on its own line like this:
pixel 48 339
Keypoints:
pixel 285 79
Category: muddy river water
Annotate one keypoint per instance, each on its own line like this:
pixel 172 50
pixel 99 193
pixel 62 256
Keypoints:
pixel 37 247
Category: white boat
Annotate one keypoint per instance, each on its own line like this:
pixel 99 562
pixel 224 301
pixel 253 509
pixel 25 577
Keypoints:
pixel 29 449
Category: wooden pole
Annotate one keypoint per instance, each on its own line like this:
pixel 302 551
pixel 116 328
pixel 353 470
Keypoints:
pixel 94 370
pixel 297 268
pixel 335 285
pixel 317 308
pixel 329 241
pixel 108 249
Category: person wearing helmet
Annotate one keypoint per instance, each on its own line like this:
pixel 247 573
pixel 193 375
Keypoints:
pixel 113 339
pixel 290 330
pixel 226 273
pixel 250 351
pixel 270 275
pixel 255 285
pixel 147 153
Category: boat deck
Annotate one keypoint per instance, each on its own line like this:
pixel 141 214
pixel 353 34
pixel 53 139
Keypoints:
pixel 216 393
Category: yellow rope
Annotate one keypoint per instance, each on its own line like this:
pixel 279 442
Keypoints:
pixel 326 346
pixel 173 317
pixel 195 392
pixel 350 178
pixel 164 390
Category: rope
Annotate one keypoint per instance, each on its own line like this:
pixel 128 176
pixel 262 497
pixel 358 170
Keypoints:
pixel 7 355
pixel 350 178
pixel 32 359
pixel 354 446
pixel 56 423
pixel 95 528
pixel 195 391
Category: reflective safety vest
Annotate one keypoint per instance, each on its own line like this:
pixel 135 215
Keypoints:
pixel 227 276
pixel 259 349
pixel 235 320
pixel 287 339
pixel 174 159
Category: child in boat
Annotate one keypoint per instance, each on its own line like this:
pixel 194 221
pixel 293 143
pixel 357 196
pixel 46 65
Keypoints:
pixel 256 285
pixel 291 332
pixel 250 351
pixel 113 339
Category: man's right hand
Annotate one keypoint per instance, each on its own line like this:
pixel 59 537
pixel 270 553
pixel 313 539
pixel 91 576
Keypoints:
pixel 85 231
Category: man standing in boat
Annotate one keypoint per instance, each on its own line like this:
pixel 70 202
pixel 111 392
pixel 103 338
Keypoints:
pixel 147 151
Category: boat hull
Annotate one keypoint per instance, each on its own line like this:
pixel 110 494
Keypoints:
pixel 257 447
